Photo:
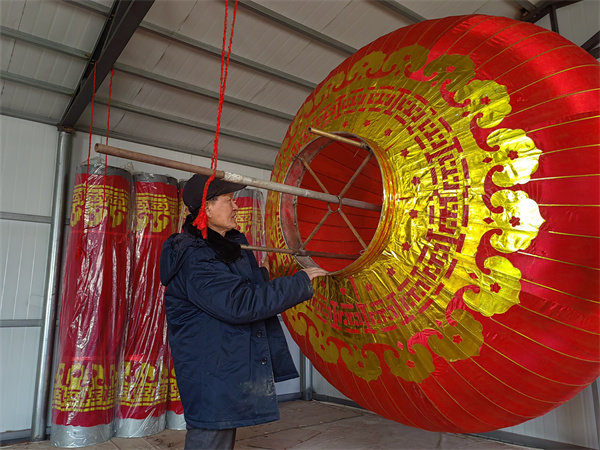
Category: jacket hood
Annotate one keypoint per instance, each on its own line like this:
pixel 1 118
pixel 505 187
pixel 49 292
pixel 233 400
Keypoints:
pixel 173 254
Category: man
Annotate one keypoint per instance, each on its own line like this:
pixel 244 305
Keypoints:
pixel 226 341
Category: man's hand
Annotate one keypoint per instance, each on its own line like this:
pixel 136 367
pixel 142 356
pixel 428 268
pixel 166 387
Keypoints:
pixel 314 272
pixel 265 262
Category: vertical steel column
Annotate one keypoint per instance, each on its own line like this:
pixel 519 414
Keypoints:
pixel 52 290
pixel 306 378
pixel 596 398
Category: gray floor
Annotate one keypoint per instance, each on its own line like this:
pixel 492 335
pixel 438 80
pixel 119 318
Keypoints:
pixel 316 426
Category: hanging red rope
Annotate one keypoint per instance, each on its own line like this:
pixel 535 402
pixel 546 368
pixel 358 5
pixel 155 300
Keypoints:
pixel 201 221
pixel 112 72
pixel 80 249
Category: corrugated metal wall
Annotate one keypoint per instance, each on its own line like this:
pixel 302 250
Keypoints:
pixel 28 152
pixel 27 161
pixel 574 422
pixel 26 186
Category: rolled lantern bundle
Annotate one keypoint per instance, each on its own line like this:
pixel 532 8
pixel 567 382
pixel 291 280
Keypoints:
pixel 250 218
pixel 145 368
pixel 93 308
pixel 474 302
pixel 175 418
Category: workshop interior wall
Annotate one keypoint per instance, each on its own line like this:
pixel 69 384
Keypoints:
pixel 27 163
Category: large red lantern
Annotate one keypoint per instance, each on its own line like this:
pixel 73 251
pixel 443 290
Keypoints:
pixel 472 303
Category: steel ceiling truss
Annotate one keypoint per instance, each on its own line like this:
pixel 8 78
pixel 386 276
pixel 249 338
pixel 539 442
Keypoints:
pixel 545 8
pixel 124 18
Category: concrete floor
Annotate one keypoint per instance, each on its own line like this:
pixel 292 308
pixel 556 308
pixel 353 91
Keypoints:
pixel 313 426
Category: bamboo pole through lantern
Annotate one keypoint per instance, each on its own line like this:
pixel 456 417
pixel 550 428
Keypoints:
pixel 337 137
pixel 234 178
pixel 299 252
pixel 248 181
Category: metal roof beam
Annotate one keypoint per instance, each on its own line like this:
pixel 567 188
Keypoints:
pixel 31 82
pixel 592 45
pixel 135 139
pixel 199 45
pixel 526 5
pixel 297 26
pixel 80 54
pixel 544 8
pixel 139 110
pixel 27 116
pixel 122 22
pixel 402 10
pixel 44 43
pixel 201 91
pixel 189 123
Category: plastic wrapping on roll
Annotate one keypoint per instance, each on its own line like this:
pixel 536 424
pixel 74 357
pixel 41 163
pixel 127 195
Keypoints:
pixel 144 381
pixel 93 308
pixel 250 218
pixel 175 418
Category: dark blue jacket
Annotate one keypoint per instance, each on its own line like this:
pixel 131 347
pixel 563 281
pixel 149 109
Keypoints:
pixel 227 344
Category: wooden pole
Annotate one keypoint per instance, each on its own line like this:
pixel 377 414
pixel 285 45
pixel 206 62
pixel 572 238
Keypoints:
pixel 299 252
pixel 337 137
pixel 234 178
pixel 269 185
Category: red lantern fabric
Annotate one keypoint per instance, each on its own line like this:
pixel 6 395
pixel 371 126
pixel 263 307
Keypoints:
pixel 145 368
pixel 475 302
pixel 93 308
pixel 175 418
pixel 250 218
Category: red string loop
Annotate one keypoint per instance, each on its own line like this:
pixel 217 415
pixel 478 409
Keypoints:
pixel 201 221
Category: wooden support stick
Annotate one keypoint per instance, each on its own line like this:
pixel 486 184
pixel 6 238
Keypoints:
pixel 300 252
pixel 337 137
pixel 235 178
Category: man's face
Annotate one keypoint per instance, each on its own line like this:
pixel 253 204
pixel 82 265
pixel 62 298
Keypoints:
pixel 221 212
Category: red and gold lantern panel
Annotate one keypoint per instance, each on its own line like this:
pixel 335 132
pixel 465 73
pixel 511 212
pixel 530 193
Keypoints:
pixel 472 303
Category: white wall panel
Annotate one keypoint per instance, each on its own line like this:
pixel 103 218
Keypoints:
pixel 573 422
pixel 27 159
pixel 17 377
pixel 322 387
pixel 290 386
pixel 27 155
pixel 23 253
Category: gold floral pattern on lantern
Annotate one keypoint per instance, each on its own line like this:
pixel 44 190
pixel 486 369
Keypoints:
pixel 451 210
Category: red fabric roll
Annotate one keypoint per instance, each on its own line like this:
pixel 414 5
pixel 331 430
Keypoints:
pixel 175 420
pixel 145 369
pixel 94 300
pixel 250 218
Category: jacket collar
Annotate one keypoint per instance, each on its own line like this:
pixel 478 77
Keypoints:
pixel 225 248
